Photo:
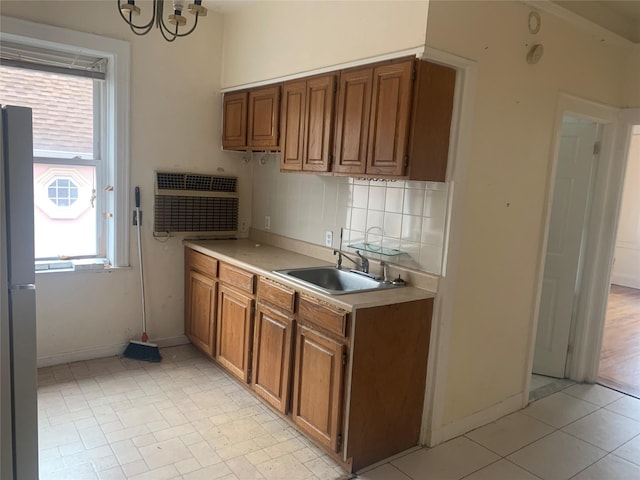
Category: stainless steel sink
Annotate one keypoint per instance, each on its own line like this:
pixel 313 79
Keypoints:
pixel 334 281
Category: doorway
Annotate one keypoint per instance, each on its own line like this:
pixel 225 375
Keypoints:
pixel 619 366
pixel 581 353
pixel 574 182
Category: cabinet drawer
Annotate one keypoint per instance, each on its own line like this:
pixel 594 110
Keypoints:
pixel 237 277
pixel 277 295
pixel 201 262
pixel 332 319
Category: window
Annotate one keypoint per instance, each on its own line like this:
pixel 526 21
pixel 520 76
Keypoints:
pixel 78 93
pixel 62 192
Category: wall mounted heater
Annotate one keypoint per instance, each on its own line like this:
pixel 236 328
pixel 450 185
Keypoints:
pixel 194 203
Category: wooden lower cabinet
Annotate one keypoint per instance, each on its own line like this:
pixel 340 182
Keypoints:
pixel 317 387
pixel 271 373
pixel 353 382
pixel 200 311
pixel 234 331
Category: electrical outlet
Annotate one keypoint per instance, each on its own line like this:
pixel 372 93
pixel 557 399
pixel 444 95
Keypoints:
pixel 267 222
pixel 328 238
pixel 243 226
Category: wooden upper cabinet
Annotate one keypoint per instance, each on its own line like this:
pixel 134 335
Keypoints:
pixel 352 120
pixel 294 96
pixel 234 123
pixel 319 124
pixel 390 115
pixel 307 124
pixel 251 119
pixel 263 118
pixel 432 112
pixel 390 119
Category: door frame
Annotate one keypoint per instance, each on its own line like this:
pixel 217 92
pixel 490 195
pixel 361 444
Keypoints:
pixel 586 334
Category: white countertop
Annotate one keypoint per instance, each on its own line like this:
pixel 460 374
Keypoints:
pixel 263 259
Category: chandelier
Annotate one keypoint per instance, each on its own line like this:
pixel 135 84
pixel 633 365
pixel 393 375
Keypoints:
pixel 128 10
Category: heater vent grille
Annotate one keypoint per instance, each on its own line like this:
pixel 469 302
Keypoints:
pixel 195 182
pixel 195 203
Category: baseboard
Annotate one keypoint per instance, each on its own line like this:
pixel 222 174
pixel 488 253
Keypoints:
pixel 101 352
pixel 478 419
pixel 389 459
pixel 630 281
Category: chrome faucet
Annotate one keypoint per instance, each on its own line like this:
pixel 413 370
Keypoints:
pixel 364 262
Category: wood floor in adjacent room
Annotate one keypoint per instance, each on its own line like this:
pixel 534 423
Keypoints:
pixel 620 356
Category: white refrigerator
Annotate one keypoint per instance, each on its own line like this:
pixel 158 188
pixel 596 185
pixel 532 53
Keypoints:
pixel 18 373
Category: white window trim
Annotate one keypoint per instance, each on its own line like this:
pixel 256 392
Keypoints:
pixel 118 53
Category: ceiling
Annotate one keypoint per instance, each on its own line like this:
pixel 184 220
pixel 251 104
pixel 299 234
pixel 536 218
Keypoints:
pixel 621 17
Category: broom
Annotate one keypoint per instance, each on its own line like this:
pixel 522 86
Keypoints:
pixel 142 350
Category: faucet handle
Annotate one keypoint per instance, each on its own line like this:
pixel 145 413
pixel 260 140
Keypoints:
pixel 339 261
pixel 364 261
pixel 385 271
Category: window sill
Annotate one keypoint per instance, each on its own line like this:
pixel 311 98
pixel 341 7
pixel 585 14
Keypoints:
pixel 92 265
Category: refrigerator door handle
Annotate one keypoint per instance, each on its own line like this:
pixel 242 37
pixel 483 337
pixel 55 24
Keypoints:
pixel 23 286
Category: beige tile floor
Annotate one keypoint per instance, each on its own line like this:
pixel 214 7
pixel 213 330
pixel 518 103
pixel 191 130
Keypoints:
pixel 184 418
pixel 584 432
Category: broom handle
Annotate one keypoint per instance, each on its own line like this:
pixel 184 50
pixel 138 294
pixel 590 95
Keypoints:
pixel 144 309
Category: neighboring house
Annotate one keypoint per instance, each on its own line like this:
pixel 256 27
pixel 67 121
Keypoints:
pixel 494 260
pixel 62 118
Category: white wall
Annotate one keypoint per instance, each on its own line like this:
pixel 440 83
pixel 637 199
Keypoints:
pixel 626 269
pixel 175 124
pixel 508 177
pixel 410 215
pixel 271 39
pixel 632 78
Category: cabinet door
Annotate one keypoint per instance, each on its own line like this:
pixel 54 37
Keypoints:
pixel 264 115
pixel 433 96
pixel 318 132
pixel 352 120
pixel 390 114
pixel 294 95
pixel 200 311
pixel 317 387
pixel 234 331
pixel 234 120
pixel 271 372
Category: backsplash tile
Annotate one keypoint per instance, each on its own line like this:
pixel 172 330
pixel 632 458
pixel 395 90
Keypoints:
pixel 403 215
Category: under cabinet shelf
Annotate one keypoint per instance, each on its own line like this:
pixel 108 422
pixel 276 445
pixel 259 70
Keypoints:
pixel 374 248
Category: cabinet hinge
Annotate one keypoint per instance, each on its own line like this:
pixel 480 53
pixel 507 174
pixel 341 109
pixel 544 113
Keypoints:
pixel 249 373
pixel 339 441
pixel 406 160
pixel 413 73
pixel 596 148
pixel 344 358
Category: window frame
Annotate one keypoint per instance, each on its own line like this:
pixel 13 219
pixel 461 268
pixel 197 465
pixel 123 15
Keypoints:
pixel 113 131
